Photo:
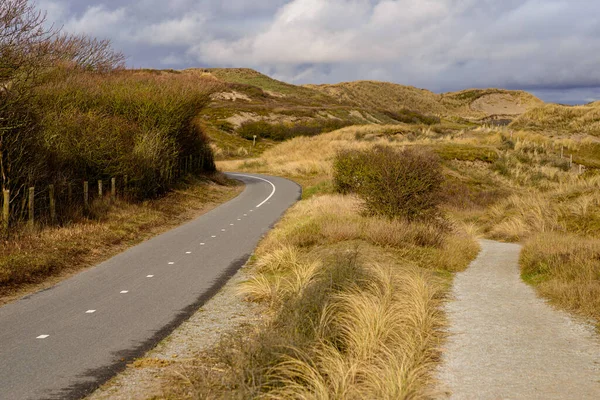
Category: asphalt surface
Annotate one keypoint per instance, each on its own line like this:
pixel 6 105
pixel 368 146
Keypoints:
pixel 62 343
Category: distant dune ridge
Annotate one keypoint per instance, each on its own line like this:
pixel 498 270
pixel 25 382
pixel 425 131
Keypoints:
pixel 250 103
pixel 471 103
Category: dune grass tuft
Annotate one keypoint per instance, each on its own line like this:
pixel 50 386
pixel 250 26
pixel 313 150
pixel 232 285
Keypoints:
pixel 352 306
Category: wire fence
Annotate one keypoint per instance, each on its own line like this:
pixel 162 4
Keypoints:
pixel 65 200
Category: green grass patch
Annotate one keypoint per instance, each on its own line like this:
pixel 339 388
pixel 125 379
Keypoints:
pixel 465 152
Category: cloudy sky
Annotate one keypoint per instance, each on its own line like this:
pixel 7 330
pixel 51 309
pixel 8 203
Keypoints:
pixel 549 47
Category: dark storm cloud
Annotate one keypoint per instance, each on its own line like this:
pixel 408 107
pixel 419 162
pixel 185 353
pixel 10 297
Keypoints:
pixel 549 46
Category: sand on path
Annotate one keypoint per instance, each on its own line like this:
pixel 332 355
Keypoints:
pixel 507 343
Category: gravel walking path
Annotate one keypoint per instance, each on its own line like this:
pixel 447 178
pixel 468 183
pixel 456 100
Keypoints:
pixel 507 343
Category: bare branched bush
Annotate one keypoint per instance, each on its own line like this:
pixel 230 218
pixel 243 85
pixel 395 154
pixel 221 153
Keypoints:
pixel 90 54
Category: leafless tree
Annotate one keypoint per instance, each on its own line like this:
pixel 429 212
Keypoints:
pixel 88 53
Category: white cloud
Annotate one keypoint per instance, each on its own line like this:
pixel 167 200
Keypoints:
pixel 437 44
pixel 98 20
pixel 55 10
pixel 183 31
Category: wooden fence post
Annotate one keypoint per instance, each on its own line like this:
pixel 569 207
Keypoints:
pixel 113 189
pixel 31 206
pixel 6 210
pixel 52 203
pixel 86 194
pixel 100 188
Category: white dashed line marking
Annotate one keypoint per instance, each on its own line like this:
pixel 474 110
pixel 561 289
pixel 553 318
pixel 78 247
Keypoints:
pixel 188 252
pixel 150 276
pixel 251 210
pixel 43 337
pixel 245 215
pixel 239 219
pixel 230 224
pixel 264 180
pixel 124 291
pixel 171 263
pixel 222 230
pixel 213 236
pixel 202 244
pixel 90 311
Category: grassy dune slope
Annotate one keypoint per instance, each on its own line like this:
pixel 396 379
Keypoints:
pixel 556 118
pixel 384 95
pixel 511 186
pixel 471 103
pixel 250 97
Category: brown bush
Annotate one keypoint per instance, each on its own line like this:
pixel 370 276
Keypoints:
pixel 393 183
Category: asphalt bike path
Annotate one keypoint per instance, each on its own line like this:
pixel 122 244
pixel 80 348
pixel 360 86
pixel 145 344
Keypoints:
pixel 63 342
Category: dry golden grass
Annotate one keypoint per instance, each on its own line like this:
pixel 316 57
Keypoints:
pixel 563 119
pixel 303 157
pixel 394 97
pixel 374 342
pixel 566 269
pixel 353 310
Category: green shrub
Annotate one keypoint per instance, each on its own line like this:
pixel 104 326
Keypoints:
pixel 260 129
pixel 465 152
pixel 405 183
pixel 284 131
pixel 350 170
pixel 124 124
pixel 412 117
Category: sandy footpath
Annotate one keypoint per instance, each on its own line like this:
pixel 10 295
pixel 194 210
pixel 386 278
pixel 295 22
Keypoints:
pixel 507 343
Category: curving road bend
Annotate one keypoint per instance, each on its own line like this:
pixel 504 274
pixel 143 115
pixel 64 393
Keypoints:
pixel 62 343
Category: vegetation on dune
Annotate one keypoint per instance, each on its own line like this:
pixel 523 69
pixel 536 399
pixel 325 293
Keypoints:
pixel 561 119
pixel 69 113
pixel 412 117
pixel 282 131
pixel 384 96
pixel 392 183
pixel 125 123
pixel 250 78
pixel 354 304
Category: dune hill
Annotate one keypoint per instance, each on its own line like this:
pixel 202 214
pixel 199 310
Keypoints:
pixel 247 96
pixel 555 118
pixel 470 104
